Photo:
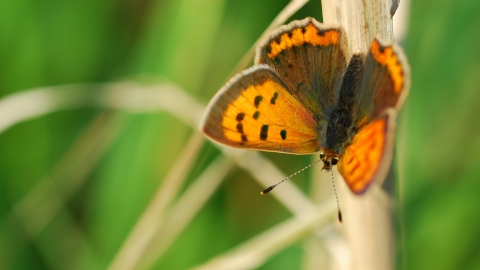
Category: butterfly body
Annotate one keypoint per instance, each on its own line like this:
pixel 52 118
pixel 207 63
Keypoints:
pixel 306 94
pixel 345 120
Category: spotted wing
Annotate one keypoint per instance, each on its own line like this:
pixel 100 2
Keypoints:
pixel 256 111
pixel 309 58
pixel 369 157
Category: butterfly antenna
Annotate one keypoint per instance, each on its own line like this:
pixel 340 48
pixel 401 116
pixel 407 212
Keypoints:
pixel 336 197
pixel 270 188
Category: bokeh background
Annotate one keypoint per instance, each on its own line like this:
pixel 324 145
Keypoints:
pixel 99 168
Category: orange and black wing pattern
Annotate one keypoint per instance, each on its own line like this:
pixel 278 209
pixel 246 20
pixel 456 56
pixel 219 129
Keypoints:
pixel 280 104
pixel 256 111
pixel 381 92
pixel 310 59
pixel 369 156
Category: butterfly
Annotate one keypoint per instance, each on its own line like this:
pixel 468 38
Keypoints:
pixel 306 94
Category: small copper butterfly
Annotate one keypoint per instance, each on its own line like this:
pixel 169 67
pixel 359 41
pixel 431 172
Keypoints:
pixel 305 95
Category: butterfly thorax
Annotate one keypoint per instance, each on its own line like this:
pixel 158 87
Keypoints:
pixel 340 131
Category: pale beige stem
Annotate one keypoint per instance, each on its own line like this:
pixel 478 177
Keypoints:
pixel 368 218
pixel 361 19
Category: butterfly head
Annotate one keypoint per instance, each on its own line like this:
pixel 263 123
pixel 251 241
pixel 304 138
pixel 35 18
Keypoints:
pixel 329 159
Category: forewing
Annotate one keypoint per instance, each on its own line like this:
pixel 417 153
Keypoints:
pixel 369 156
pixel 386 79
pixel 256 111
pixel 309 57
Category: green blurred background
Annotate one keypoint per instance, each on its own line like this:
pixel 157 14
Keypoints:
pixel 196 45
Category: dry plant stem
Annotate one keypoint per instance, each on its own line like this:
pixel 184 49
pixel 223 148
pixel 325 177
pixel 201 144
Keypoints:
pixel 266 173
pixel 194 198
pixel 368 224
pixel 128 96
pixel 318 249
pixel 400 20
pixel 256 251
pixel 361 19
pixel 286 13
pixel 139 238
pixel 166 230
pixel 186 208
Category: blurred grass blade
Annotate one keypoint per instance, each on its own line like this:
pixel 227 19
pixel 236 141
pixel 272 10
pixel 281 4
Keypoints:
pixel 38 207
pixel 254 252
pixel 47 199
pixel 183 212
pixel 141 235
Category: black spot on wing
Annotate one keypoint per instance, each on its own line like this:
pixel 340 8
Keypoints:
pixel 283 134
pixel 274 98
pixel 240 128
pixel 256 115
pixel 240 117
pixel 257 101
pixel 264 132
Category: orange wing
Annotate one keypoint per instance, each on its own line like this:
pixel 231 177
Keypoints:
pixel 255 111
pixel 386 79
pixel 370 155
